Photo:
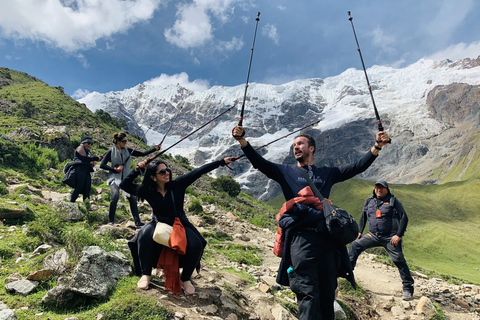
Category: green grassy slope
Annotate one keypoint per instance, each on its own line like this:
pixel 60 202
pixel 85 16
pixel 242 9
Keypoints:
pixel 30 102
pixel 444 223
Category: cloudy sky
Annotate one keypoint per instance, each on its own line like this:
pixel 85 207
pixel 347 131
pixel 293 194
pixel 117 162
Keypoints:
pixel 111 45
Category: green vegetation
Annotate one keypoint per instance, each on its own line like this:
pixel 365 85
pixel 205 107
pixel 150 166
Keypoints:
pixel 227 184
pixel 438 226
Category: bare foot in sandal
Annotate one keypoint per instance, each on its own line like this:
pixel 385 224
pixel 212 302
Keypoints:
pixel 144 282
pixel 188 287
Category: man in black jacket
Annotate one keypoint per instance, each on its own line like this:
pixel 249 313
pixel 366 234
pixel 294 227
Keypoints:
pixel 312 271
pixel 387 222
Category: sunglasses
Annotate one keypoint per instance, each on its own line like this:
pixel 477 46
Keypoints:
pixel 380 187
pixel 163 171
pixel 123 141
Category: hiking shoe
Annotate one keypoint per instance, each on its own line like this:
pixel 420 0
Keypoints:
pixel 407 296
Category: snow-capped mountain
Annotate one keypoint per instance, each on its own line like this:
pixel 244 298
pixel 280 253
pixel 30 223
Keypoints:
pixel 415 104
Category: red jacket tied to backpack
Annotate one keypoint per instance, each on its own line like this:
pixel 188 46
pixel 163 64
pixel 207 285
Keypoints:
pixel 306 197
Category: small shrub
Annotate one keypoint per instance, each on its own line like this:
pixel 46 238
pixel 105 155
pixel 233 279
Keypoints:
pixel 438 314
pixel 226 184
pixel 3 189
pixel 195 206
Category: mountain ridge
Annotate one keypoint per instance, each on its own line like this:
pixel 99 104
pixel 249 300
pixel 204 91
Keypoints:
pixel 407 99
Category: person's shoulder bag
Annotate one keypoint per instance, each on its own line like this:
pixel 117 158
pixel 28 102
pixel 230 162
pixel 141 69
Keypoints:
pixel 340 224
pixel 171 236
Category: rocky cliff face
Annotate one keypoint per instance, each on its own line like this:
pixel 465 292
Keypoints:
pixel 430 109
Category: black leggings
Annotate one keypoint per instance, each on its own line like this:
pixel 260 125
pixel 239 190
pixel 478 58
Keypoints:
pixel 149 251
pixel 115 195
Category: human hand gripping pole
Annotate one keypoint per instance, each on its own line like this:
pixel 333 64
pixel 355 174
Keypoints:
pixel 379 122
pixel 240 121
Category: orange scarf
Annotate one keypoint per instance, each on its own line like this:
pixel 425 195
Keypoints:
pixel 169 258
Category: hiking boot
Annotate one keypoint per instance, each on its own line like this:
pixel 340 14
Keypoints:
pixel 407 296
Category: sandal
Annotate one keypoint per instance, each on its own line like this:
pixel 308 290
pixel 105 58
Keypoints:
pixel 144 282
pixel 188 288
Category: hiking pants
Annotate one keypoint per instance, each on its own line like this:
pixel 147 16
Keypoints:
pixel 314 276
pixel 149 251
pixel 115 194
pixel 370 241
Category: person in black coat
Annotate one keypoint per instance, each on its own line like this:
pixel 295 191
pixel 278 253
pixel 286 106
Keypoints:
pixel 312 266
pixel 84 163
pixel 166 197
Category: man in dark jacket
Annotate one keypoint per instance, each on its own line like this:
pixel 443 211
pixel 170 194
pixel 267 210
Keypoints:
pixel 313 255
pixel 387 222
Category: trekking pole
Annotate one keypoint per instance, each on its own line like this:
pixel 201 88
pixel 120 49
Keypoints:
pixel 379 122
pixel 240 121
pixel 188 135
pixel 266 145
pixel 173 121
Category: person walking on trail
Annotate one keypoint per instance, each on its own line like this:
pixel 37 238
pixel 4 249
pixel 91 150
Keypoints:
pixel 387 222
pixel 84 163
pixel 120 157
pixel 166 197
pixel 309 260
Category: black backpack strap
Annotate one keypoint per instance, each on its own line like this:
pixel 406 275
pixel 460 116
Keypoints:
pixel 312 186
pixel 174 206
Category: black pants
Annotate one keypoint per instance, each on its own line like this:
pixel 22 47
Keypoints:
pixel 149 251
pixel 314 275
pixel 396 254
pixel 115 194
pixel 84 183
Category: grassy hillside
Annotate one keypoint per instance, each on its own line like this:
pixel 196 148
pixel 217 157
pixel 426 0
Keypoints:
pixel 27 101
pixel 444 223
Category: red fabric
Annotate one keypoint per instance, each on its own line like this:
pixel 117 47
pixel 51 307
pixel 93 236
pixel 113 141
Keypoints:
pixel 168 261
pixel 169 257
pixel 178 238
pixel 306 197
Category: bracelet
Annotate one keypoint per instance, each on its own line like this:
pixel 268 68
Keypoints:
pixel 377 147
pixel 378 141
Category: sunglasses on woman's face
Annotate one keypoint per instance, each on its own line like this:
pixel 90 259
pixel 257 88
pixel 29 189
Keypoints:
pixel 163 171
pixel 123 141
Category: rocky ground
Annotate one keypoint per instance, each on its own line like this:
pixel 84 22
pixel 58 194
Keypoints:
pixel 384 290
pixel 222 294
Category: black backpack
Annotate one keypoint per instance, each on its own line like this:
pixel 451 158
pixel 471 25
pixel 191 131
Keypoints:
pixel 340 224
pixel 70 178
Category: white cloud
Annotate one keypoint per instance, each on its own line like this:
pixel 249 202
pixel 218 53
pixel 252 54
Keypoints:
pixel 228 46
pixel 194 24
pixel 180 78
pixel 192 28
pixel 281 8
pixel 80 57
pixel 457 51
pixel 271 32
pixel 448 18
pixel 72 25
pixel 79 94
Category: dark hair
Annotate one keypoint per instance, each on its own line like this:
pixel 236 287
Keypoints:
pixel 148 185
pixel 118 136
pixel 311 141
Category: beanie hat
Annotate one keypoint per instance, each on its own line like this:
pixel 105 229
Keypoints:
pixel 86 139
